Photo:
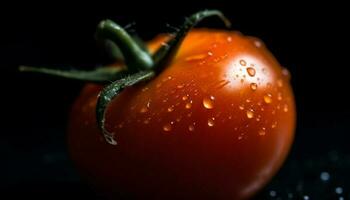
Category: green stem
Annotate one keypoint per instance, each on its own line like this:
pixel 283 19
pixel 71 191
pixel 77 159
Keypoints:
pixel 135 57
pixel 166 52
pixel 110 92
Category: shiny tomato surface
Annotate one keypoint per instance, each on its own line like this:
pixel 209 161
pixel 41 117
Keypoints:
pixel 217 123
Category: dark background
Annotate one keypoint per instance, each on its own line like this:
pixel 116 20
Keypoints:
pixel 310 40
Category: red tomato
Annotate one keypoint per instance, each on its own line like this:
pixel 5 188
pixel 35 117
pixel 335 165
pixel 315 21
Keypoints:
pixel 217 123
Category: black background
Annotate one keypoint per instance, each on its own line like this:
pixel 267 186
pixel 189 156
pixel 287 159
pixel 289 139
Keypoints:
pixel 310 40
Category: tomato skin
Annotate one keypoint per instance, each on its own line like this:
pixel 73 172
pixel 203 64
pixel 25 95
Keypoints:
pixel 201 129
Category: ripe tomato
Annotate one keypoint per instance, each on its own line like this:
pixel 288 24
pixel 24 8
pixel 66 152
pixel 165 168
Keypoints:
pixel 217 123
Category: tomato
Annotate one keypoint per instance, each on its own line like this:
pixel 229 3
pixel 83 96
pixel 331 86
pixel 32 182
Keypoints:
pixel 217 123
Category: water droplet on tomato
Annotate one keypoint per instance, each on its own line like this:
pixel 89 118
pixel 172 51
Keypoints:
pixel 257 43
pixel 171 109
pixel 243 62
pixel 241 107
pixel 258 118
pixel 285 108
pixel 268 98
pixel 250 113
pixel 143 109
pixel 180 86
pixel 279 83
pixel 211 122
pixel 208 102
pixel 251 71
pixel 191 127
pixel 262 132
pixel 196 57
pixel 188 105
pixel 279 96
pixel 167 127
pixel 146 121
pixel 210 53
pixel 184 98
pixel 253 86
pixel 274 124
pixel 229 39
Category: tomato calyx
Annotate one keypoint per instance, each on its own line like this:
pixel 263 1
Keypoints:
pixel 139 66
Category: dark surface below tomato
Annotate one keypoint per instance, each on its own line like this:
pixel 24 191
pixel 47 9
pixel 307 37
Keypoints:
pixel 308 41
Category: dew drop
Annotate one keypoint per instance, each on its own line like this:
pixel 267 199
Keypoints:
pixel 167 127
pixel 208 102
pixel 143 109
pixel 285 108
pixel 251 71
pixel 253 86
pixel 229 39
pixel 274 124
pixel 180 86
pixel 279 83
pixel 243 62
pixel 262 132
pixel 339 190
pixel 191 128
pixel 324 176
pixel 257 43
pixel 210 53
pixel 188 105
pixel 211 122
pixel 184 98
pixel 250 113
pixel 268 98
pixel 241 107
pixel 258 119
pixel 273 193
pixel 279 96
pixel 171 109
pixel 196 57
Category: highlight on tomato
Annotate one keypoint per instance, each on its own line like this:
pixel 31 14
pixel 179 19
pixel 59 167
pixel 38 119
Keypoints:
pixel 197 114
